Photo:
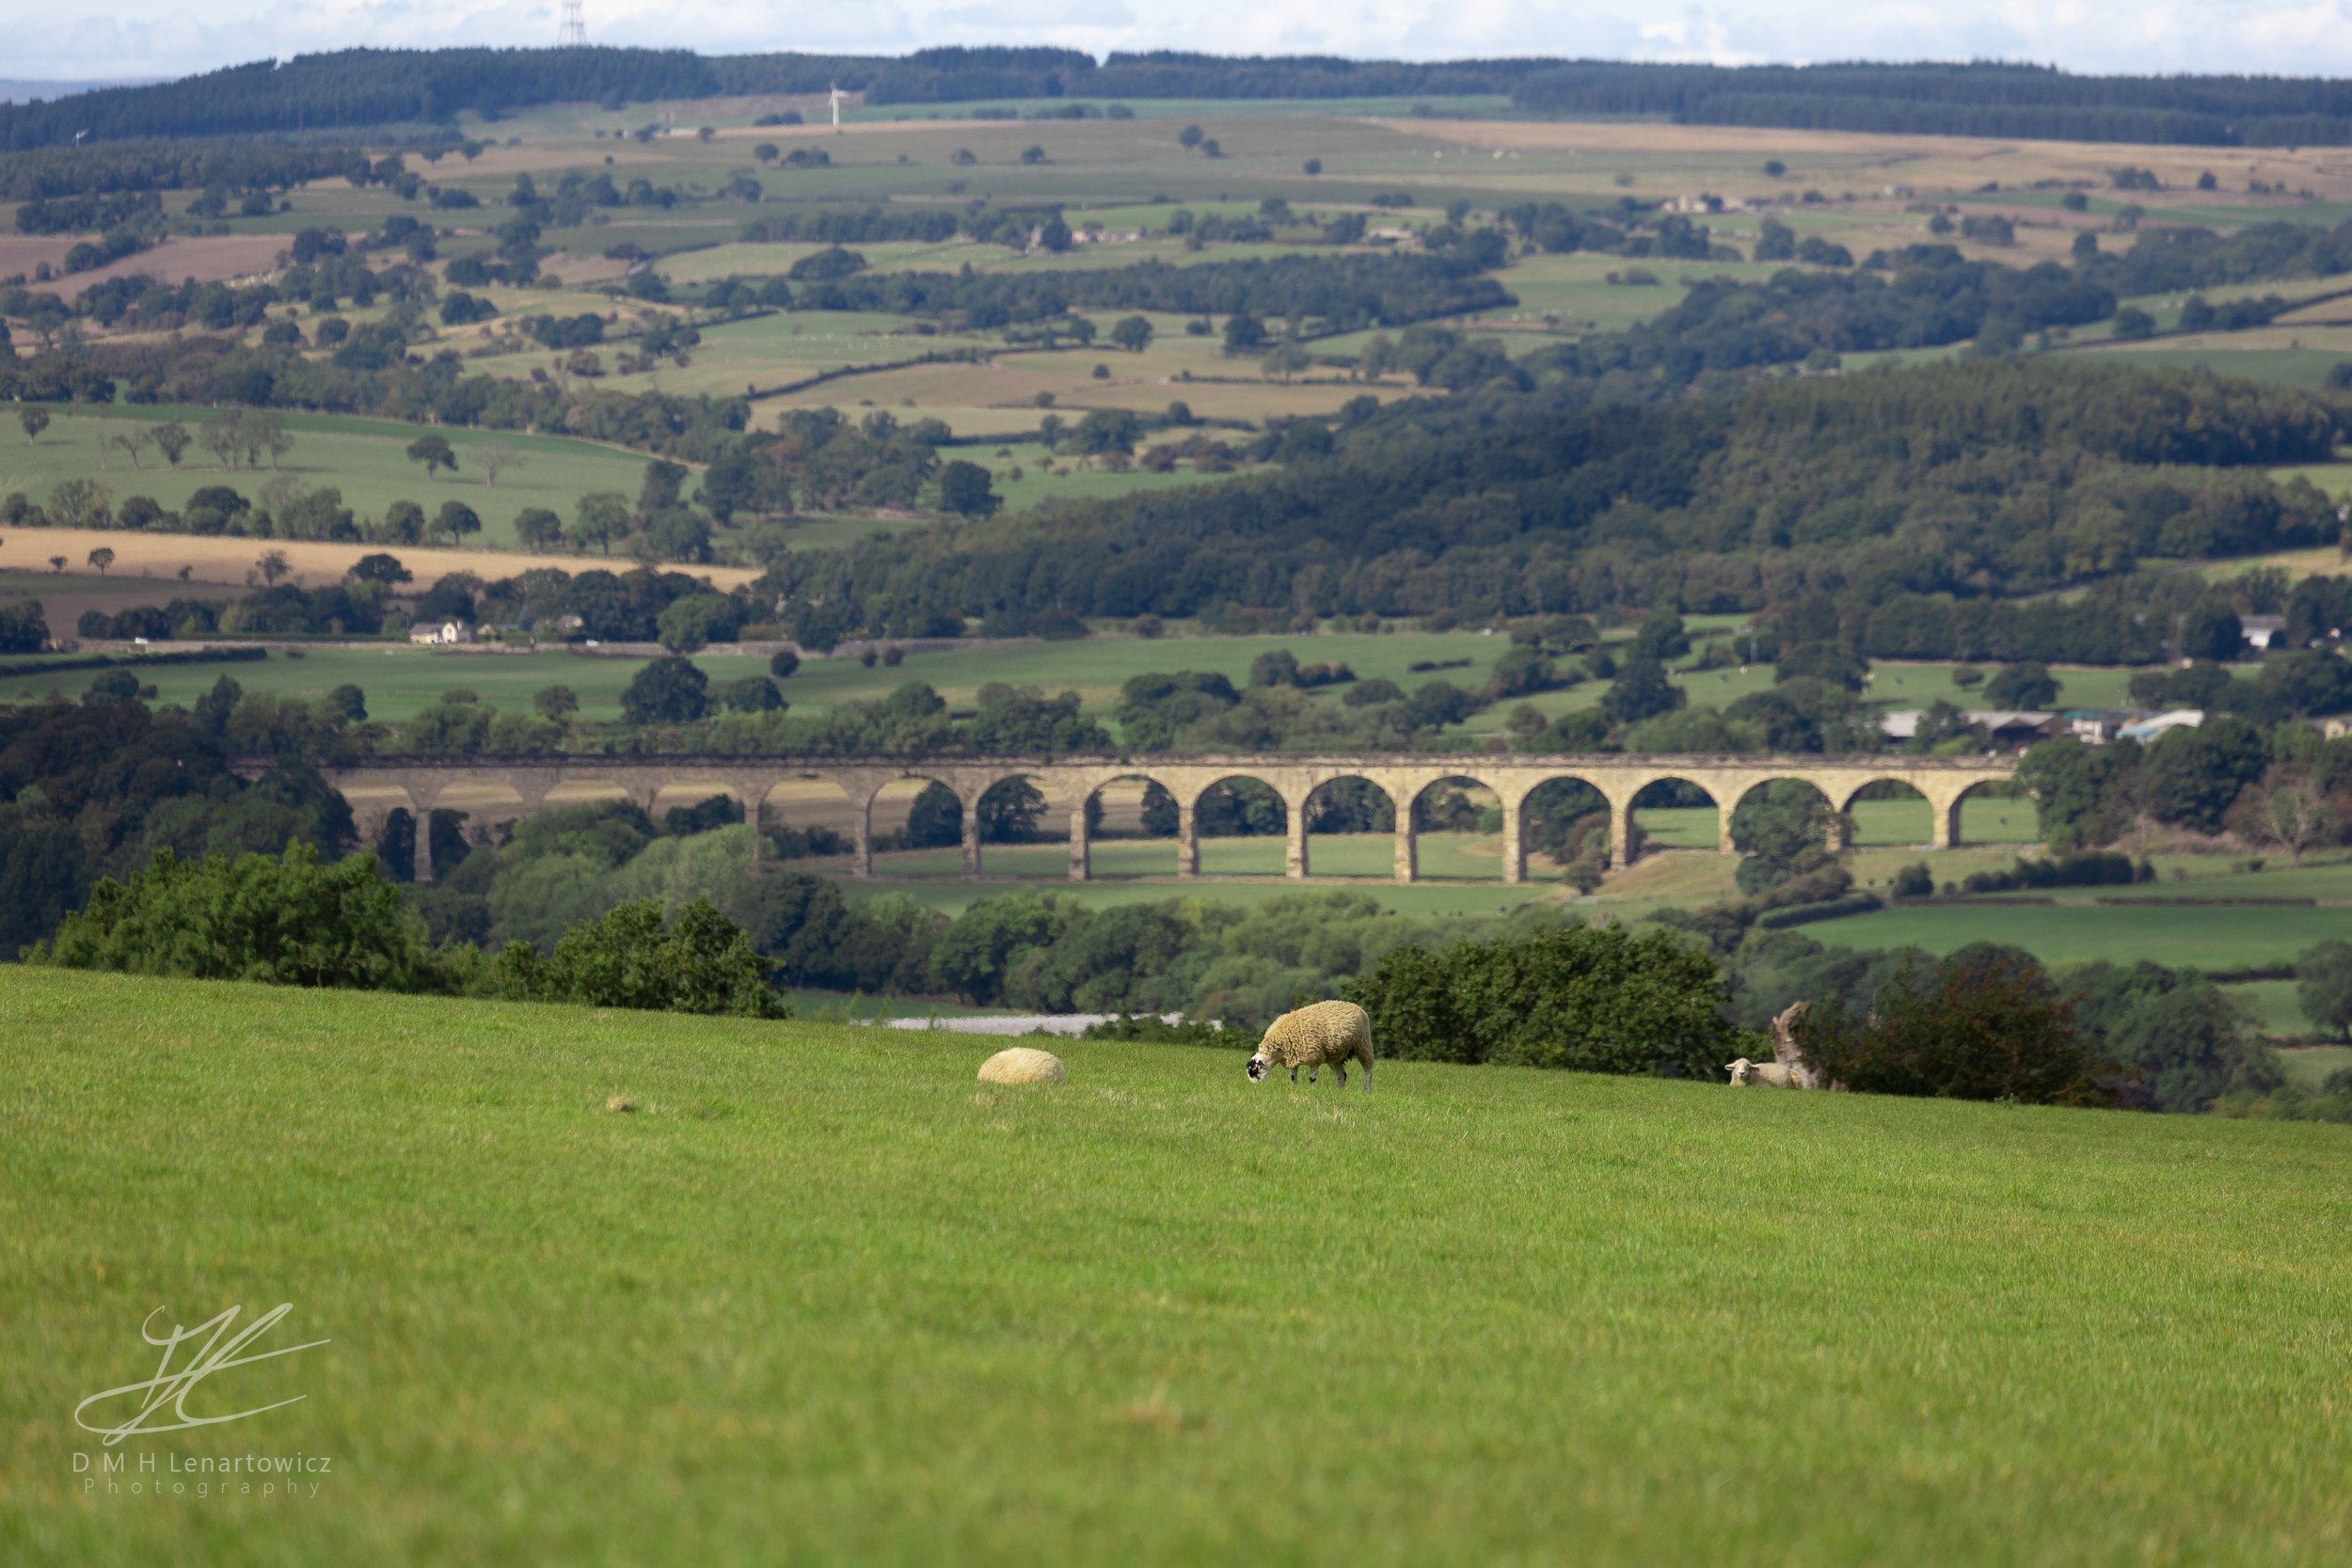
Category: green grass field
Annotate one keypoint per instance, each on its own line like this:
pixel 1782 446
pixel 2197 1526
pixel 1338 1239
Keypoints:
pixel 366 459
pixel 821 1301
pixel 2181 936
pixel 400 680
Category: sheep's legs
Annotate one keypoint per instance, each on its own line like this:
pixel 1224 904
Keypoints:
pixel 1340 1068
pixel 1294 1075
pixel 1311 1076
pixel 1367 1077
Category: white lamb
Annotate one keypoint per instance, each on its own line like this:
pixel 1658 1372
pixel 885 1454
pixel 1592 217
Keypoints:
pixel 1327 1034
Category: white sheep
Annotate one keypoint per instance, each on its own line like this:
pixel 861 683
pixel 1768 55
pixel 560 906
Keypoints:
pixel 1326 1033
pixel 1788 1068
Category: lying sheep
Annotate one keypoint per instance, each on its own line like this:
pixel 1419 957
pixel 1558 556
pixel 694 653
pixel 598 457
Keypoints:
pixel 1778 1074
pixel 1788 1068
pixel 1327 1034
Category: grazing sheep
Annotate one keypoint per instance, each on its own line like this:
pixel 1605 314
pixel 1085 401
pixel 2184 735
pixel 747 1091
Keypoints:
pixel 1327 1034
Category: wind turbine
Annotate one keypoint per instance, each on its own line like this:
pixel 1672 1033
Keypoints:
pixel 836 95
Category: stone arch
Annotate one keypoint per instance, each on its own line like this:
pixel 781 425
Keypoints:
pixel 1354 806
pixel 1660 794
pixel 1241 805
pixel 440 806
pixel 918 811
pixel 1949 809
pixel 1888 811
pixel 693 794
pixel 1123 808
pixel 1557 819
pixel 1460 805
pixel 1837 831
pixel 808 816
pixel 1017 806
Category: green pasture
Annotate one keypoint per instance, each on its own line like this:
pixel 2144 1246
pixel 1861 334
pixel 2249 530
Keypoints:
pixel 1044 477
pixel 366 459
pixel 1575 287
pixel 2276 1011
pixel 1878 824
pixel 2181 936
pixel 2325 877
pixel 399 679
pixel 819 1296
pixel 2293 357
pixel 1241 871
pixel 1910 685
pixel 2332 478
pixel 1477 105
pixel 770 351
pixel 2310 1066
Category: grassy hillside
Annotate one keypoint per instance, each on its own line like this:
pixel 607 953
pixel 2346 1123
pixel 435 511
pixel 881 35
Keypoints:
pixel 822 1299
pixel 399 680
pixel 366 459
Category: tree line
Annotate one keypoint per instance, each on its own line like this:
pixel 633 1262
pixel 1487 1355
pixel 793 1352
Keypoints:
pixel 1336 293
pixel 1977 99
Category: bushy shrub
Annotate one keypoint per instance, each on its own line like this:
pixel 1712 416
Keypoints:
pixel 2094 868
pixel 702 962
pixel 1985 1024
pixel 1592 998
pixel 284 920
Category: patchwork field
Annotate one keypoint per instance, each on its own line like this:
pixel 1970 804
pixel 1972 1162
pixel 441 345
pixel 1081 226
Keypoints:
pixel 819 1290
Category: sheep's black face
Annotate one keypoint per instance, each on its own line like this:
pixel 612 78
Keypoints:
pixel 1256 1069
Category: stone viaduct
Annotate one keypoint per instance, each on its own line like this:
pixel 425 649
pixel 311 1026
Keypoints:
pixel 379 785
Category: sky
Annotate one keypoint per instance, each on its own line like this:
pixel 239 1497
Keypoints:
pixel 114 39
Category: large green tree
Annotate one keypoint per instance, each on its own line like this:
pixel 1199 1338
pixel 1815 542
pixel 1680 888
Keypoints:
pixel 669 690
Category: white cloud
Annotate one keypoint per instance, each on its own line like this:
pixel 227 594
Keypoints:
pixel 148 38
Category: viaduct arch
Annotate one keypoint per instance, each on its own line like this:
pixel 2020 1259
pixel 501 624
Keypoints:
pixel 1069 782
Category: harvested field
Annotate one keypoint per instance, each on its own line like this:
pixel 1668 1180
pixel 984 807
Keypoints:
pixel 218 560
pixel 207 258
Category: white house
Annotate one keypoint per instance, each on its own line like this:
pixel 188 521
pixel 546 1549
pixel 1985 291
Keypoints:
pixel 435 633
pixel 2263 631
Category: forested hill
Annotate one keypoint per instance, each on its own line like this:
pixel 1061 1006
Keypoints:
pixel 416 90
pixel 1984 99
pixel 1977 479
